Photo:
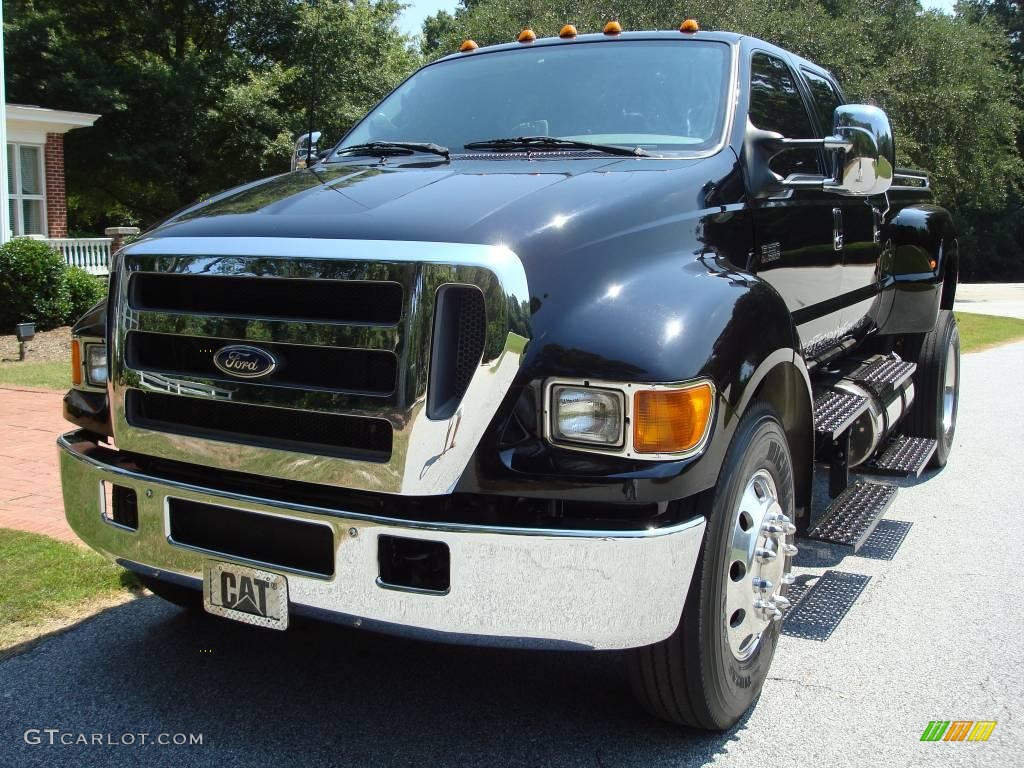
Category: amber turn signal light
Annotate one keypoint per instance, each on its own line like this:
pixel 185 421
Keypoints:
pixel 671 420
pixel 76 362
pixel 613 28
pixel 568 31
pixel 527 36
pixel 467 46
pixel 689 27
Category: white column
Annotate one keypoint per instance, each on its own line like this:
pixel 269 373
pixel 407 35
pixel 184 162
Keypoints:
pixel 5 225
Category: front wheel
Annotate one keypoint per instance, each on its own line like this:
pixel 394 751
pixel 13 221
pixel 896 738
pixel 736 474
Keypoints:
pixel 711 669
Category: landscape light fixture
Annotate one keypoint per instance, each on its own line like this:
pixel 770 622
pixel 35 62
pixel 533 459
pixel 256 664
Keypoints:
pixel 24 332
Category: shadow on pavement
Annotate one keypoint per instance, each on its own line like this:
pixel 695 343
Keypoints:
pixel 323 695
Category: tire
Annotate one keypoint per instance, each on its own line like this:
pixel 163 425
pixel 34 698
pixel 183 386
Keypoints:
pixel 694 677
pixel 173 593
pixel 936 385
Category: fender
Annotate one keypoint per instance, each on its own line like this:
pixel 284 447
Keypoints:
pixel 919 264
pixel 93 323
pixel 733 328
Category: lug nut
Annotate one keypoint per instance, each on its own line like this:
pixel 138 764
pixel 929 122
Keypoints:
pixel 790 550
pixel 768 609
pixel 762 585
pixel 781 602
pixel 788 578
pixel 766 555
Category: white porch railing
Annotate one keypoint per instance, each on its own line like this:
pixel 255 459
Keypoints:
pixel 90 253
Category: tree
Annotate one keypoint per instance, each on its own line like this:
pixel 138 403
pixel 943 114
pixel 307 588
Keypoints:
pixel 194 96
pixel 996 237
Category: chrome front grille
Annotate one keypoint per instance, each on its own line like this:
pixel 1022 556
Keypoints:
pixel 354 371
pixel 365 334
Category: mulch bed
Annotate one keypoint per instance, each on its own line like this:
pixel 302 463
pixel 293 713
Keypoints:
pixel 47 347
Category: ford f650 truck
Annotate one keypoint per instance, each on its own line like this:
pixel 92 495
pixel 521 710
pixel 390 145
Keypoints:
pixel 543 354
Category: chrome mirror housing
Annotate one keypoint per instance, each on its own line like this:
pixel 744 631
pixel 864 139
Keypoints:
pixel 866 152
pixel 862 147
pixel 305 148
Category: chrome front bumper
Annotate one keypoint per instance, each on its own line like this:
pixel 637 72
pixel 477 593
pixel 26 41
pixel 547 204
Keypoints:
pixel 509 586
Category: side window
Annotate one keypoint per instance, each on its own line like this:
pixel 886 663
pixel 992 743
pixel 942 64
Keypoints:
pixel 825 98
pixel 775 105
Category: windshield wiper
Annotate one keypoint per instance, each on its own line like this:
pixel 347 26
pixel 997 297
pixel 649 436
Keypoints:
pixel 553 142
pixel 395 147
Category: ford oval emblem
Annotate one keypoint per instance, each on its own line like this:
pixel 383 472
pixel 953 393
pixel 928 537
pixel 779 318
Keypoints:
pixel 244 362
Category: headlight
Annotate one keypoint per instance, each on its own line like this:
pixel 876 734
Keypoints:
pixel 587 415
pixel 96 364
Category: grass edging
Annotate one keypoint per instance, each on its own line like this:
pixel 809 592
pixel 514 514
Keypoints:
pixel 981 332
pixel 48 585
pixel 55 376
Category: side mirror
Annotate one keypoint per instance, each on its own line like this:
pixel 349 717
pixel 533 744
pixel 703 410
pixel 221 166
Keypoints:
pixel 862 145
pixel 865 165
pixel 305 147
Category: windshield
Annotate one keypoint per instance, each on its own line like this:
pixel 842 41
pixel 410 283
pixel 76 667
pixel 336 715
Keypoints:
pixel 665 96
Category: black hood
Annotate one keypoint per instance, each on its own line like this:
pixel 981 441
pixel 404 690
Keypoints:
pixel 486 201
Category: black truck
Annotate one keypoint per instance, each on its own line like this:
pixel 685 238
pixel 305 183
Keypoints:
pixel 544 353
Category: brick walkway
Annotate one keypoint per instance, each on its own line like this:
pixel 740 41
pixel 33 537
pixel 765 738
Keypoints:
pixel 30 496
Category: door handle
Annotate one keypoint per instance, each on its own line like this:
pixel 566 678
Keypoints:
pixel 837 229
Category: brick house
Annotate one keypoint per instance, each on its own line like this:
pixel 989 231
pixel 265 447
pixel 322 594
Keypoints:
pixel 35 168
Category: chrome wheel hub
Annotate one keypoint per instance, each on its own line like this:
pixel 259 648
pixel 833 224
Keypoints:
pixel 949 389
pixel 757 566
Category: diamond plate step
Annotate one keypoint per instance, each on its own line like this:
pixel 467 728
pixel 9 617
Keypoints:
pixel 885 541
pixel 853 514
pixel 835 411
pixel 903 457
pixel 816 613
pixel 883 373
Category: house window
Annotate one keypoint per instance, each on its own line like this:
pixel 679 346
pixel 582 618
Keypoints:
pixel 25 185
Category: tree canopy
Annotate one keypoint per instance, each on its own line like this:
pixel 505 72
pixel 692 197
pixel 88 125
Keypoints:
pixel 195 96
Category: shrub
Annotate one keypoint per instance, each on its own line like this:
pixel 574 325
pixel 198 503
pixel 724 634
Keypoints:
pixel 33 288
pixel 84 290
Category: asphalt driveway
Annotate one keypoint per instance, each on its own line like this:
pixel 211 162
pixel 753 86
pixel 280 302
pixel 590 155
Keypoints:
pixel 935 634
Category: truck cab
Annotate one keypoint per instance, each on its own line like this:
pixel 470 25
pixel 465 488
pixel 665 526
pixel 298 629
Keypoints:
pixel 543 354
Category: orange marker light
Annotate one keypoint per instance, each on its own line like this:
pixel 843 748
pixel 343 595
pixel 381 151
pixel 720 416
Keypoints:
pixel 671 420
pixel 613 28
pixel 76 362
pixel 933 263
pixel 527 36
pixel 689 27
pixel 568 32
pixel 467 46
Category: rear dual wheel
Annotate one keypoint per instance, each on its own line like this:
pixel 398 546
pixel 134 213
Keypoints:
pixel 711 669
pixel 936 385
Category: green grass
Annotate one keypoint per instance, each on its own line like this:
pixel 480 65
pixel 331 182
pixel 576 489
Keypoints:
pixel 44 375
pixel 44 582
pixel 979 332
